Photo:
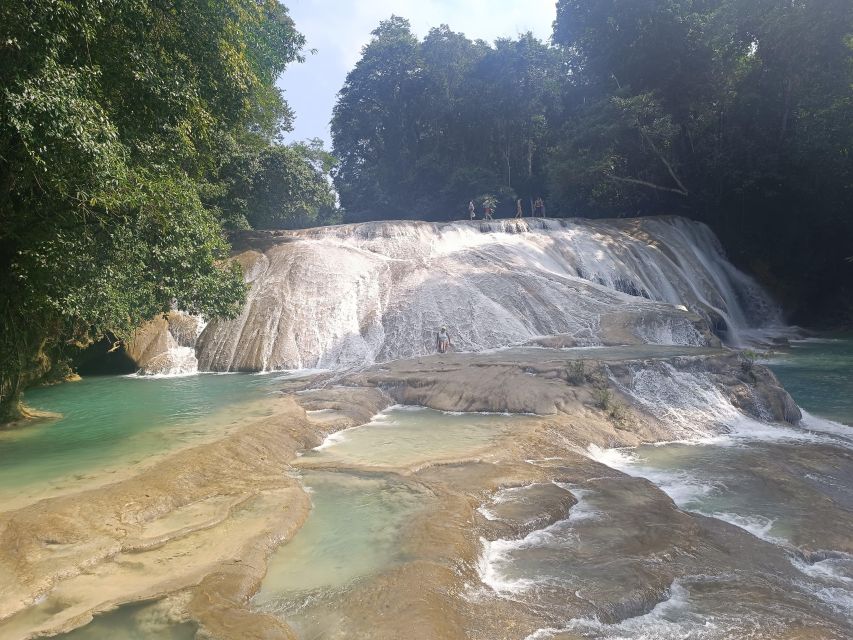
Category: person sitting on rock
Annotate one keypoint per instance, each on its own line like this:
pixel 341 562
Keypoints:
pixel 442 340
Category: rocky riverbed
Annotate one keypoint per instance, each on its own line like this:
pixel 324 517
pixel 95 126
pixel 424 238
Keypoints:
pixel 194 532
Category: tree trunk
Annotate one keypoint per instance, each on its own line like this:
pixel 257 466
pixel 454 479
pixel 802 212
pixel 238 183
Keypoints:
pixel 10 401
pixel 22 362
pixel 529 159
pixel 508 166
pixel 786 110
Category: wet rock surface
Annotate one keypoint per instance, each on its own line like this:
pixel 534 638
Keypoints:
pixel 166 345
pixel 528 534
pixel 354 295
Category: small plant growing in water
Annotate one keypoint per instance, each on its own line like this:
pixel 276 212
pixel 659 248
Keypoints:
pixel 749 355
pixel 576 373
pixel 603 399
pixel 747 362
pixel 618 412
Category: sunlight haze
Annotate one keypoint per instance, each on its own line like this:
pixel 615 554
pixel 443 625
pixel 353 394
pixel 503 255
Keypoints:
pixel 338 30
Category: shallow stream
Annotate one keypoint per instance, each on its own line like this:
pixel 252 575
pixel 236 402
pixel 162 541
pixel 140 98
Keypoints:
pixel 358 524
pixel 141 621
pixel 403 437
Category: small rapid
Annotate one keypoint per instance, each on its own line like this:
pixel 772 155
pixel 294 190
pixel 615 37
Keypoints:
pixel 794 492
pixel 789 487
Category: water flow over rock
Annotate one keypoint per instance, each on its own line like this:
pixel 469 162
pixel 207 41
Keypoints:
pixel 165 346
pixel 357 294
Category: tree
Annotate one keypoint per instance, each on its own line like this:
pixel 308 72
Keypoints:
pixel 420 127
pixel 114 116
pixel 517 84
pixel 275 186
pixel 735 112
pixel 373 132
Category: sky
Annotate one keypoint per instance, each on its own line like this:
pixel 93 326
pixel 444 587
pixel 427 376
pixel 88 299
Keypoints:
pixel 338 29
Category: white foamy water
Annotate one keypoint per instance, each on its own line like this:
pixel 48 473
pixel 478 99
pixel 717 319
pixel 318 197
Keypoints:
pixel 687 478
pixel 496 565
pixel 677 617
pixel 714 478
pixel 819 425
pixel 670 619
pixel 733 468
pixel 680 485
pixel 501 497
pixel 708 477
pixel 831 581
pixel 357 294
pixel 690 403
pixel 757 525
pixel 522 505
pixel 175 363
pixel 179 358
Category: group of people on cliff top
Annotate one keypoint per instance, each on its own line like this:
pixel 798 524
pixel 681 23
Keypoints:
pixel 537 206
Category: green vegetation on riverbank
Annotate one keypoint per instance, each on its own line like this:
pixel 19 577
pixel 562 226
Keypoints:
pixel 131 134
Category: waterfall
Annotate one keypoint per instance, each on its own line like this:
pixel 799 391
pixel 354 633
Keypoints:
pixel 689 403
pixel 352 295
pixel 170 350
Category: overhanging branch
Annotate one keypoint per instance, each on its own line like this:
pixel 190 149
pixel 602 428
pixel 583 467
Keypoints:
pixel 681 188
pixel 644 183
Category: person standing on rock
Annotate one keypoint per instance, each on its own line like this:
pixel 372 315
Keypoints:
pixel 442 340
pixel 471 210
pixel 487 210
pixel 519 210
pixel 539 208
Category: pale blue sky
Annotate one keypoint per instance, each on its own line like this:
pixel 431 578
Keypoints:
pixel 338 29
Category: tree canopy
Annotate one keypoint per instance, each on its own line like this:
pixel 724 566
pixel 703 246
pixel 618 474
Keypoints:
pixel 130 132
pixel 738 113
pixel 422 127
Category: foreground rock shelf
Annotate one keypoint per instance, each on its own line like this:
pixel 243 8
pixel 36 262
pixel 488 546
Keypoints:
pixel 195 531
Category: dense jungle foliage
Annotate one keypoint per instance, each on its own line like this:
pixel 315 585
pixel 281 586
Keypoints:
pixel 738 113
pixel 132 132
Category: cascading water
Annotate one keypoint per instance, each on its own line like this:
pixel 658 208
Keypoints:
pixel 690 403
pixel 785 485
pixel 357 294
pixel 175 344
